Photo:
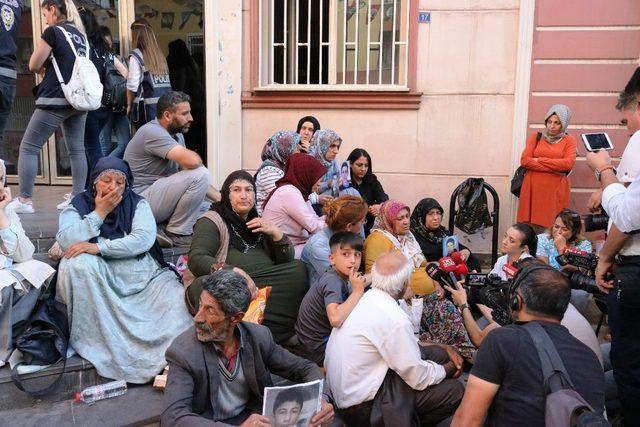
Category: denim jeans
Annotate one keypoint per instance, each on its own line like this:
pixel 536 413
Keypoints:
pixel 624 323
pixel 42 125
pixel 118 123
pixel 95 122
pixel 7 96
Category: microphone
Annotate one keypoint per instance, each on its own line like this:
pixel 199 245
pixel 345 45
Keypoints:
pixel 437 274
pixel 448 265
pixel 457 257
pixel 510 271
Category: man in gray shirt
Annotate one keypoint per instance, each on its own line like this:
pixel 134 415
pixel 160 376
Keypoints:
pixel 167 174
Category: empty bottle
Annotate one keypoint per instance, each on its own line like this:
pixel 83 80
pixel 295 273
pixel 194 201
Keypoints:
pixel 103 391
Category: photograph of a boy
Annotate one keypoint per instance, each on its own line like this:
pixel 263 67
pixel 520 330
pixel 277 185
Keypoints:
pixel 332 298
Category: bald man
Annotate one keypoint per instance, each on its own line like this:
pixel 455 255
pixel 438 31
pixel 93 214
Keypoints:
pixel 374 365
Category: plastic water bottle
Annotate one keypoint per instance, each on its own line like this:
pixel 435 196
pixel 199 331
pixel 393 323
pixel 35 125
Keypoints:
pixel 103 391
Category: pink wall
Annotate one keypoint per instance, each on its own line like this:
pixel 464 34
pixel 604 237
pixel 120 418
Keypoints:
pixel 584 51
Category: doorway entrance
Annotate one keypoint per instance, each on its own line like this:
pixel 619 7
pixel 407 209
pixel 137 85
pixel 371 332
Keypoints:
pixel 176 23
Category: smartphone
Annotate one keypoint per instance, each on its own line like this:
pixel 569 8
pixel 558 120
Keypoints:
pixel 597 141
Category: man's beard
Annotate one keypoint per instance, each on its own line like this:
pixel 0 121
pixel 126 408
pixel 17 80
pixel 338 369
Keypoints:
pixel 175 127
pixel 207 334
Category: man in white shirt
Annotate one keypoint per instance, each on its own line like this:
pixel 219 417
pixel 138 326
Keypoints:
pixel 375 367
pixel 622 247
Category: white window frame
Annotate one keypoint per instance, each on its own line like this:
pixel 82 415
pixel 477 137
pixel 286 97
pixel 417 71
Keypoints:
pixel 266 36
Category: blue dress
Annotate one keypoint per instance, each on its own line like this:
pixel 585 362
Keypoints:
pixel 124 310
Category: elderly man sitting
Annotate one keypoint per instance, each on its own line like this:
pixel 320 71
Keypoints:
pixel 218 369
pixel 375 366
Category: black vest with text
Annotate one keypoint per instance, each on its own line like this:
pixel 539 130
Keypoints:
pixel 11 12
pixel 151 88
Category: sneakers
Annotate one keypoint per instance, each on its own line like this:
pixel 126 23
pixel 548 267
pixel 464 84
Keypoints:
pixel 22 208
pixel 167 239
pixel 65 202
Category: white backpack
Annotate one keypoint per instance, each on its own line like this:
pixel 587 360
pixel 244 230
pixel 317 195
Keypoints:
pixel 84 90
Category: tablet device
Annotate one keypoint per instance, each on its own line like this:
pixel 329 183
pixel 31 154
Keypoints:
pixel 597 141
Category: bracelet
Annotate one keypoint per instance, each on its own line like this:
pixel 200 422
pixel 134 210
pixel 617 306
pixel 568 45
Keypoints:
pixel 463 306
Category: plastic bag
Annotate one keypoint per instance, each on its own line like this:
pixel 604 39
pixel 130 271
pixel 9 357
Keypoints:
pixel 473 210
pixel 255 312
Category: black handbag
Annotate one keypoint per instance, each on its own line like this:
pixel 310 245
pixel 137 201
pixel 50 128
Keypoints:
pixel 44 338
pixel 473 213
pixel 518 176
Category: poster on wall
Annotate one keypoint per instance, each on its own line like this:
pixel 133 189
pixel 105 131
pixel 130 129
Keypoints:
pixel 167 20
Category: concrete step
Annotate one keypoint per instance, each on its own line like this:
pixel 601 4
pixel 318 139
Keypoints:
pixel 140 406
pixel 78 374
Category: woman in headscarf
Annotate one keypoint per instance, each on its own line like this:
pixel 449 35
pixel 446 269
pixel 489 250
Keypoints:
pixel 548 157
pixel 125 308
pixel 275 154
pixel 426 226
pixel 232 233
pixel 307 126
pixel 441 322
pixel 325 146
pixel 287 206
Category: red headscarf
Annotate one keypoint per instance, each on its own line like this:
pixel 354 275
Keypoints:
pixel 302 171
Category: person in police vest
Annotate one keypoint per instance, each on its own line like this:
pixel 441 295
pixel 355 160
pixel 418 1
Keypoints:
pixel 64 26
pixel 148 77
pixel 11 12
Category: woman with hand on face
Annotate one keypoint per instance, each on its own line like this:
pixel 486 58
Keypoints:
pixel 441 322
pixel 287 206
pixel 275 154
pixel 325 146
pixel 232 233
pixel 307 126
pixel 548 157
pixel 564 234
pixel 125 305
pixel 426 225
pixel 366 183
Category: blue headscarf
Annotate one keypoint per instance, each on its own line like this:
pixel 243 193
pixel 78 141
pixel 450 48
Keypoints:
pixel 118 223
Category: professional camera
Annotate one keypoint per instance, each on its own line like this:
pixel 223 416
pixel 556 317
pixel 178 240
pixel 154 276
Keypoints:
pixel 595 222
pixel 584 260
pixel 578 258
pixel 492 291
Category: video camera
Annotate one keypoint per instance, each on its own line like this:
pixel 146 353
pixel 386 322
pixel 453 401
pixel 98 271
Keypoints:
pixel 595 222
pixel 584 260
pixel 492 291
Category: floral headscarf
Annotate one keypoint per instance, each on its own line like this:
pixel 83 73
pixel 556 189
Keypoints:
pixel 279 148
pixel 564 114
pixel 320 144
pixel 407 243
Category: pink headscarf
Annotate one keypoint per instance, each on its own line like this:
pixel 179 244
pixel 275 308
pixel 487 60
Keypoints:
pixel 407 243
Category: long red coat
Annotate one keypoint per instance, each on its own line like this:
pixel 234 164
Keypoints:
pixel 546 187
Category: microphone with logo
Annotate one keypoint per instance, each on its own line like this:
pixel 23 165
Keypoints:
pixel 439 275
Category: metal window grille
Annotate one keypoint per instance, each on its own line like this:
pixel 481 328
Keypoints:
pixel 339 44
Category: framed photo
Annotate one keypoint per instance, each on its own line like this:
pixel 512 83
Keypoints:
pixel 292 405
pixel 345 175
pixel 449 245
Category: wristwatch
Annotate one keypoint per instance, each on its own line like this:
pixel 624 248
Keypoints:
pixel 463 306
pixel 599 171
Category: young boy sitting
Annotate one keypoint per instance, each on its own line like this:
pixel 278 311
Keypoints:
pixel 330 301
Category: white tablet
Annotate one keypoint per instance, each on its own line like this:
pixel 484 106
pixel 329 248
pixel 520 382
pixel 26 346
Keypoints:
pixel 597 141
